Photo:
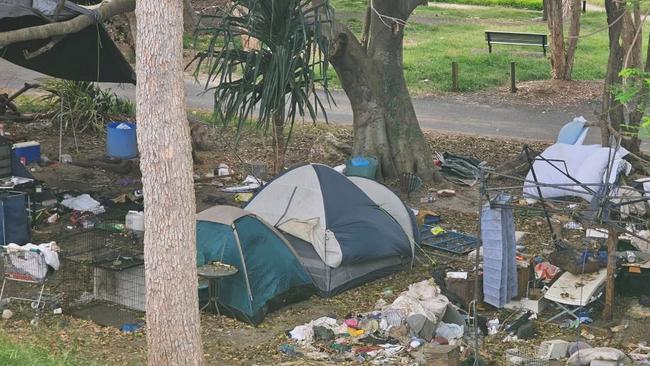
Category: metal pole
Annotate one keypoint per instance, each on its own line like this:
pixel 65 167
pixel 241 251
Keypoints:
pixel 539 193
pixel 513 78
pixel 454 76
pixel 477 262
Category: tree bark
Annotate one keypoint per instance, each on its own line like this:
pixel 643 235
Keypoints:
pixel 563 53
pixel 384 121
pixel 612 113
pixel 173 328
pixel 574 32
pixel 631 37
pixel 556 29
pixel 190 19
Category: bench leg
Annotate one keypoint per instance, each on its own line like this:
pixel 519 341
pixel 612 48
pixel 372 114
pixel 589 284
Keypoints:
pixel 489 47
pixel 544 48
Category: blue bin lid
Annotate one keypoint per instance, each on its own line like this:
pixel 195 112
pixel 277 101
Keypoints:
pixel 360 161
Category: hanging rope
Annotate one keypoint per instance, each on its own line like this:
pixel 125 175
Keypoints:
pixel 386 19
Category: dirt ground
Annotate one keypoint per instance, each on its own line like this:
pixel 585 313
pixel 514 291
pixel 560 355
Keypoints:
pixel 229 342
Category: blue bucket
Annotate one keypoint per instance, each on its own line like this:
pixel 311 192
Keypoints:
pixel 121 142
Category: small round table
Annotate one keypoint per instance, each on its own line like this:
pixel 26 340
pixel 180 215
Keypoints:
pixel 213 273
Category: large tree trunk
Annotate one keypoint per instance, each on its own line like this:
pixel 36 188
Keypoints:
pixel 632 37
pixel 385 124
pixel 612 113
pixel 190 19
pixel 563 53
pixel 173 328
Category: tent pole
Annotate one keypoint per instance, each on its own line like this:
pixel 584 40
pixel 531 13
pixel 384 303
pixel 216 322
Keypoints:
pixel 243 263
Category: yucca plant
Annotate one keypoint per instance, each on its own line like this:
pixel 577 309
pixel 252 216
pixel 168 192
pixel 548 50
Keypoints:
pixel 278 78
pixel 81 106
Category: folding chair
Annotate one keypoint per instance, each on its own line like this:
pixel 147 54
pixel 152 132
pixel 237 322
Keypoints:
pixel 571 292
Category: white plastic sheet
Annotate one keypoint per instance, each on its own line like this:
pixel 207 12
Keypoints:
pixel 588 164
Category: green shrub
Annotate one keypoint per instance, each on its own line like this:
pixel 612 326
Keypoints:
pixel 82 106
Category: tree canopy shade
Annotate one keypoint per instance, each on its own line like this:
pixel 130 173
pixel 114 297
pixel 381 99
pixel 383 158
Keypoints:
pixel 88 54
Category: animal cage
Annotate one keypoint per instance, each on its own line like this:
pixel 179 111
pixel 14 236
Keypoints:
pixel 104 266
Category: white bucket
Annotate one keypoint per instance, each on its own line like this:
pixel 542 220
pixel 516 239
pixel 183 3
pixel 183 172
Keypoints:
pixel 135 220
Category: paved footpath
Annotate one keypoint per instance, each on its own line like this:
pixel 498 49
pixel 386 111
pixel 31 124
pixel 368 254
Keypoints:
pixel 435 113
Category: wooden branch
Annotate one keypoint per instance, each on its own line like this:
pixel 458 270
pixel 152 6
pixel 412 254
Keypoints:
pixel 104 11
pixel 31 54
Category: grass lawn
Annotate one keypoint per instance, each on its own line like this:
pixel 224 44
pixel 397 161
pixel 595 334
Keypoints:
pixel 524 4
pixel 20 354
pixel 435 37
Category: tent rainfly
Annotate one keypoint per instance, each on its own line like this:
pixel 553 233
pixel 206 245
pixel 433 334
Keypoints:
pixel 269 274
pixel 342 237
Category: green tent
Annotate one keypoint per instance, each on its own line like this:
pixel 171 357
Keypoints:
pixel 269 274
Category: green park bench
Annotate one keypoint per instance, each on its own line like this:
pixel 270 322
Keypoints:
pixel 516 38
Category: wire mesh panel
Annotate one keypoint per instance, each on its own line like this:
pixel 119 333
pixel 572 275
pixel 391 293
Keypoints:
pixel 104 266
pixel 526 357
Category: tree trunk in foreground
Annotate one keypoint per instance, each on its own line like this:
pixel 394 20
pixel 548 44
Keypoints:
pixel 632 37
pixel 563 53
pixel 612 113
pixel 385 124
pixel 173 328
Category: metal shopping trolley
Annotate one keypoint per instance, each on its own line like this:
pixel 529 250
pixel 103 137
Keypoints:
pixel 26 266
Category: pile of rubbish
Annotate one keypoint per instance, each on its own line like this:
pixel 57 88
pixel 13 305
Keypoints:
pixel 418 321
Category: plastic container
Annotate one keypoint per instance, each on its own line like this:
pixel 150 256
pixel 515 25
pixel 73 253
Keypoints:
pixel 121 142
pixel 362 166
pixel 134 220
pixel 30 151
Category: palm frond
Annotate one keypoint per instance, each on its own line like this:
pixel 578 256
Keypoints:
pixel 282 75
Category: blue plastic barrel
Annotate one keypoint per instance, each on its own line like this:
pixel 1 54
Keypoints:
pixel 121 142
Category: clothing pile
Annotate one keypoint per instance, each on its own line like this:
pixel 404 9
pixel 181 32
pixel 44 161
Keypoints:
pixel 384 335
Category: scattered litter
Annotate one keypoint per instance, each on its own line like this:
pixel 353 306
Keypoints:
pixel 243 197
pixel 444 193
pixel 130 327
pixel 461 275
pixel 493 326
pixel 572 225
pixel 7 314
pixel 584 357
pixel 223 170
pixel 123 126
pixel 450 331
pixel 83 203
pixel 249 185
pixel 65 158
pixel 546 271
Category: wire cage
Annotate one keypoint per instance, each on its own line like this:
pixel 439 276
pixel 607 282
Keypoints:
pixel 103 269
pixel 526 357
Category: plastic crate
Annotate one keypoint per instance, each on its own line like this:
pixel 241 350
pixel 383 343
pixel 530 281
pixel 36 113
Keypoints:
pixel 449 241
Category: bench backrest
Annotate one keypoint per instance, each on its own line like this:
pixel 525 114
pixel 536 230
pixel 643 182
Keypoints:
pixel 523 38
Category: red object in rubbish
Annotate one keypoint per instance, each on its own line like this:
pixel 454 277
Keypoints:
pixel 437 162
pixel 546 271
pixel 23 160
